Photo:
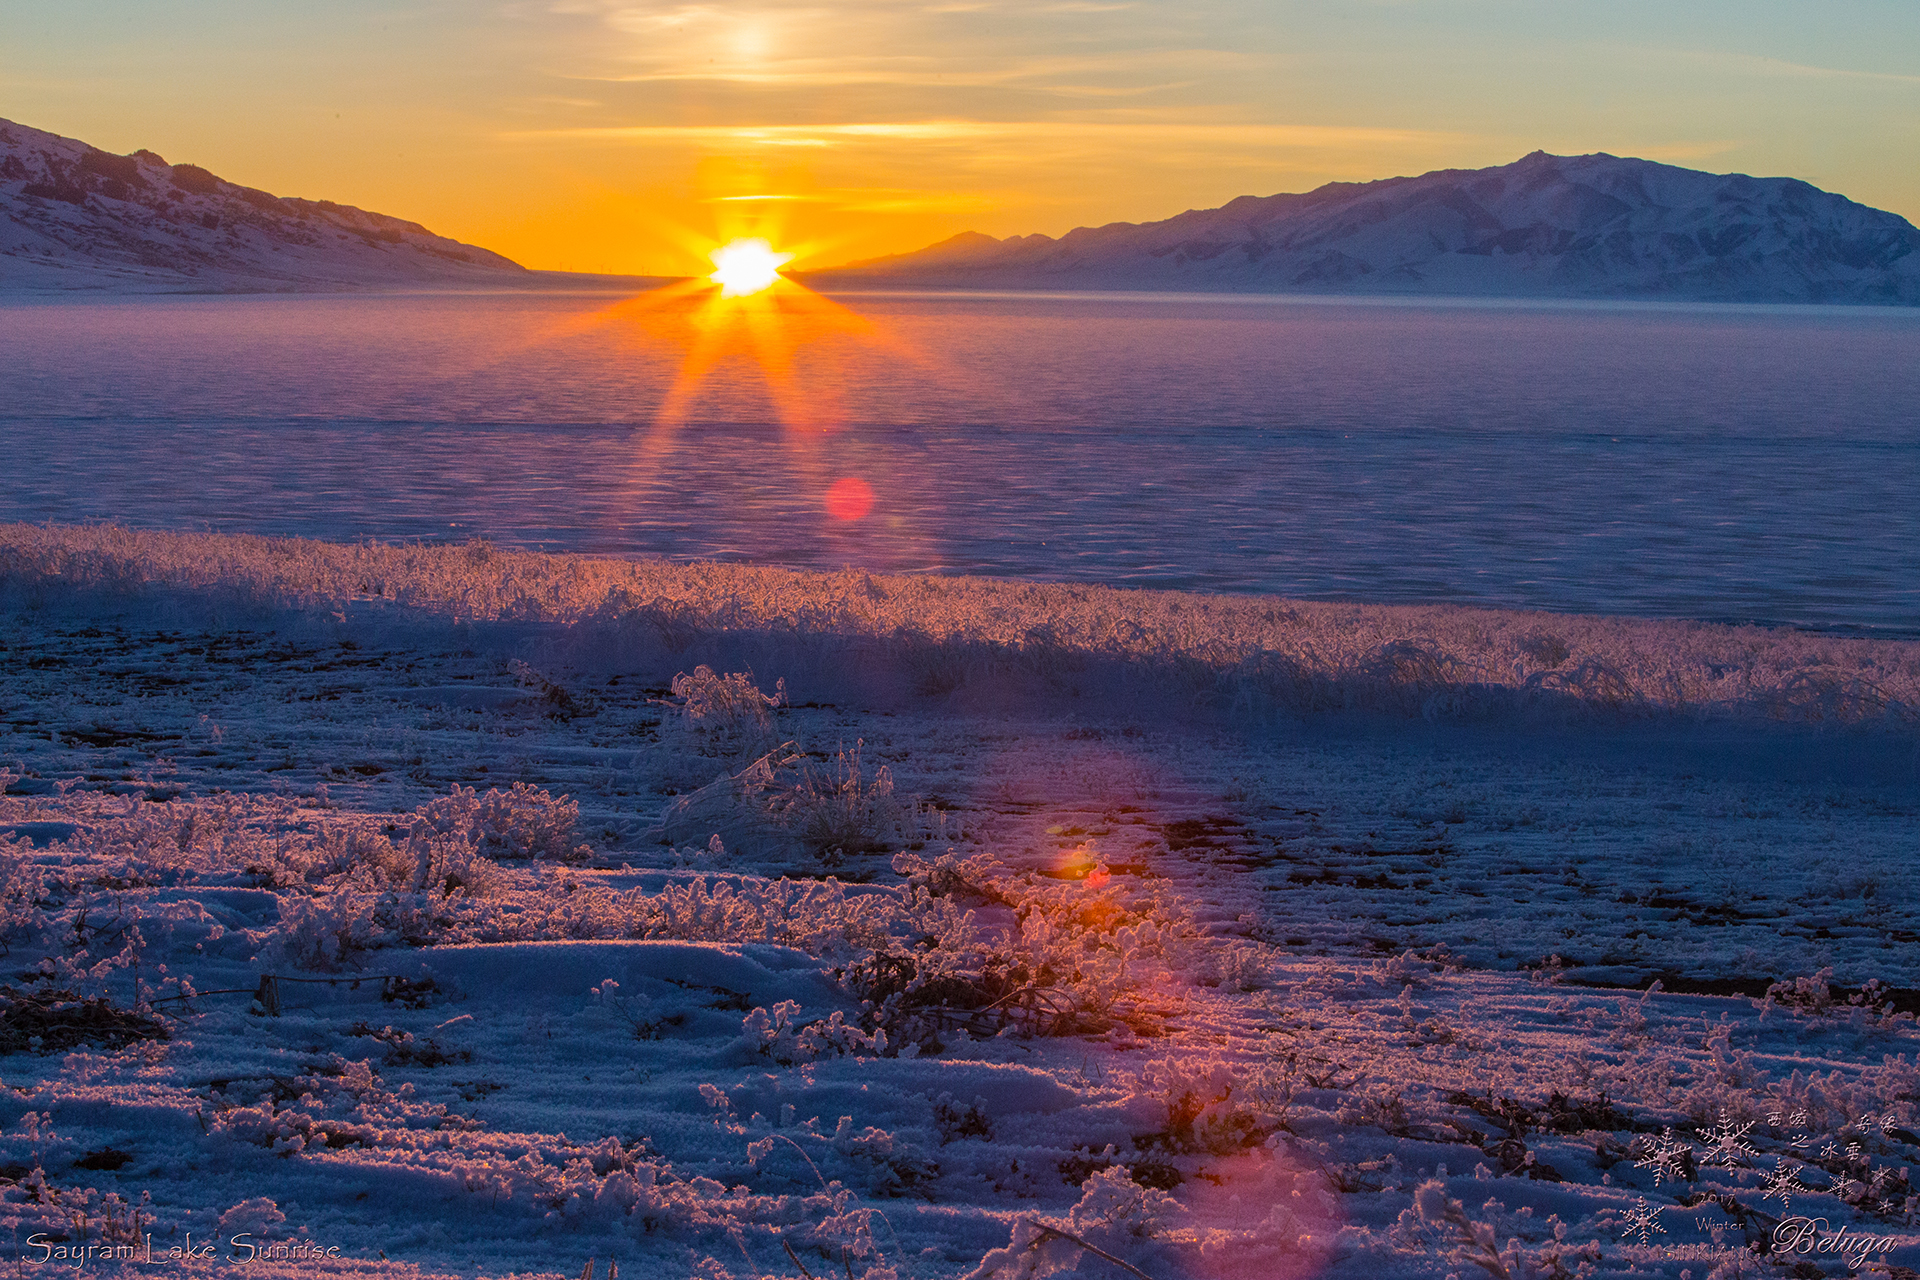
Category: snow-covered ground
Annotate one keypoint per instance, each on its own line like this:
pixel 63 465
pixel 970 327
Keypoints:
pixel 1032 929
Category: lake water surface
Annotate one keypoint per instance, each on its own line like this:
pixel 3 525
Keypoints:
pixel 1729 463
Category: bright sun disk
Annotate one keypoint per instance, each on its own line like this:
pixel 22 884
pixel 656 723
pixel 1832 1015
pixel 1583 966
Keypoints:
pixel 746 266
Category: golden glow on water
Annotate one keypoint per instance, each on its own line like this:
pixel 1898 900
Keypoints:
pixel 746 318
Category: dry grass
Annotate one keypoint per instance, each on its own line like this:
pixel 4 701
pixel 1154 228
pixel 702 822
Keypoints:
pixel 1234 654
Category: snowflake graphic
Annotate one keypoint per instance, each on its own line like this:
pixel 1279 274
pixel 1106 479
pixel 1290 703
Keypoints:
pixel 1783 1182
pixel 1642 1220
pixel 1727 1144
pixel 1668 1158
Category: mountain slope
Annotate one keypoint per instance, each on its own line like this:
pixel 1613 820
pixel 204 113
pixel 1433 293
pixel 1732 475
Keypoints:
pixel 75 217
pixel 1594 226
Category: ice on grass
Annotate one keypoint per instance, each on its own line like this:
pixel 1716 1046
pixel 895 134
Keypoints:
pixel 1236 941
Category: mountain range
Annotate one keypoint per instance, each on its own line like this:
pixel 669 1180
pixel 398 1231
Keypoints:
pixel 1593 226
pixel 1596 226
pixel 75 217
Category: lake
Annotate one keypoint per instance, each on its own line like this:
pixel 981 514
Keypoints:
pixel 1715 462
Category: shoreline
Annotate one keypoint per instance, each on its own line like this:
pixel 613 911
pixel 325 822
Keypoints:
pixel 1265 654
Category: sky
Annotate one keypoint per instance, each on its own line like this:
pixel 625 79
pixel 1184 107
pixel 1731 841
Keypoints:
pixel 614 136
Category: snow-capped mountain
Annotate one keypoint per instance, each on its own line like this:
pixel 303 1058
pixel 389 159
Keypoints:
pixel 1594 226
pixel 75 217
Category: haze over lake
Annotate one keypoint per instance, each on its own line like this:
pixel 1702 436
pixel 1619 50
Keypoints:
pixel 1717 462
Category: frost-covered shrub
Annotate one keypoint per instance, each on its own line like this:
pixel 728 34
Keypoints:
pixel 336 1103
pixel 783 799
pixel 816 916
pixel 772 1034
pixel 524 822
pixel 1114 1214
pixel 325 932
pixel 23 887
pixel 736 810
pixel 949 875
pixel 53 1019
pixel 1441 1223
pixel 258 1216
pixel 727 716
pixel 1235 965
pixel 1059 958
pixel 840 808
pixel 266 842
pixel 1113 1206
pixel 359 855
pixel 1206 1105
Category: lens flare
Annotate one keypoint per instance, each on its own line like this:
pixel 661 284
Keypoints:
pixel 849 498
pixel 746 266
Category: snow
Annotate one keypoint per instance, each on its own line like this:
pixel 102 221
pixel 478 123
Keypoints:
pixel 75 218
pixel 1593 226
pixel 1310 992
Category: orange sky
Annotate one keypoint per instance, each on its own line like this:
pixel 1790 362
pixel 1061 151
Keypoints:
pixel 608 135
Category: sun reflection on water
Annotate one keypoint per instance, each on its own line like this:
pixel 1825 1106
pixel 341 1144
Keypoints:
pixel 746 317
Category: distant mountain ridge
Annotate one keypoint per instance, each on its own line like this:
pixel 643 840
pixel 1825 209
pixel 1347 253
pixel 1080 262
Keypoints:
pixel 75 217
pixel 1594 226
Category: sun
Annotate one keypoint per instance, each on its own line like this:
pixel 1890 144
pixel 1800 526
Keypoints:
pixel 746 266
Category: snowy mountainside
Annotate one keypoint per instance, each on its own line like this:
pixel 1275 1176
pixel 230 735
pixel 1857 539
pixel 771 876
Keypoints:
pixel 75 217
pixel 1594 226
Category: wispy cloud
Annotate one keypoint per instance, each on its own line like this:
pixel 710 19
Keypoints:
pixel 1752 64
pixel 1117 131
pixel 874 200
pixel 1055 74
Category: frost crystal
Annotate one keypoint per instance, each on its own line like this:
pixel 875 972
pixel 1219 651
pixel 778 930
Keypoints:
pixel 1727 1144
pixel 1642 1220
pixel 1783 1182
pixel 1668 1158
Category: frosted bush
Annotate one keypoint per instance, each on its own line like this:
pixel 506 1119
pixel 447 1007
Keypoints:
pixel 727 716
pixel 1114 1212
pixel 258 1216
pixel 772 1034
pixel 359 855
pixel 524 822
pixel 265 842
pixel 23 887
pixel 738 810
pixel 840 808
pixel 1236 966
pixel 326 932
pixel 1113 1206
pixel 1206 1105
pixel 949 875
pixel 1441 1223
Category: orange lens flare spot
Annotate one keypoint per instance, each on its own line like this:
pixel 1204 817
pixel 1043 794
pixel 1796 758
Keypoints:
pixel 1081 863
pixel 746 266
pixel 849 498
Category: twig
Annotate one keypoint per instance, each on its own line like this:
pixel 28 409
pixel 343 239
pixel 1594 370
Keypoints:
pixel 1056 1233
pixel 796 1259
pixel 229 991
pixel 828 1188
